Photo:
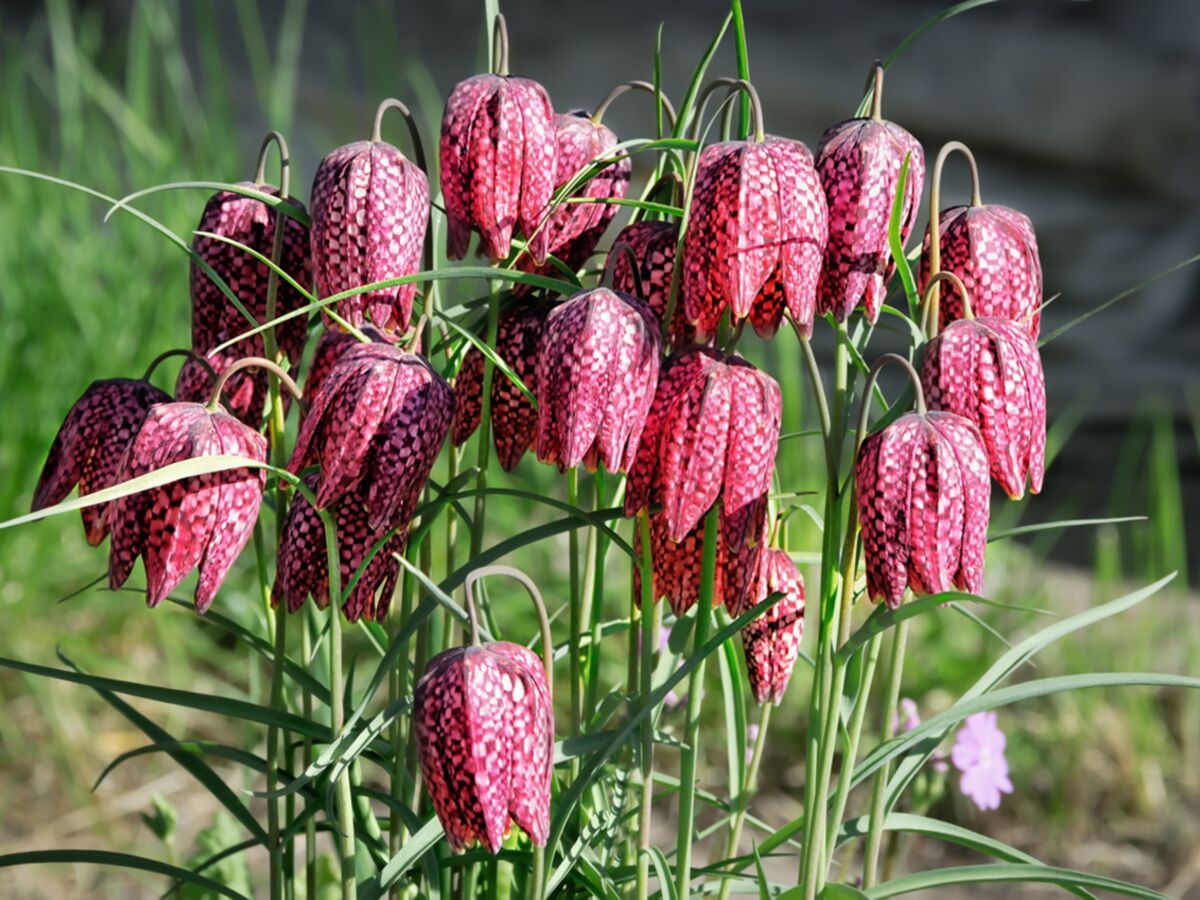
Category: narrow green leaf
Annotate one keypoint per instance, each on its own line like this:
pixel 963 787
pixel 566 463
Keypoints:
pixel 687 108
pixel 1067 523
pixel 497 360
pixel 288 208
pixel 896 244
pixel 1001 873
pixel 120 861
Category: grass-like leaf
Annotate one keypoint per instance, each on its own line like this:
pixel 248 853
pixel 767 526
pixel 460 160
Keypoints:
pixel 120 861
pixel 1006 873
pixel 1067 523
pixel 291 210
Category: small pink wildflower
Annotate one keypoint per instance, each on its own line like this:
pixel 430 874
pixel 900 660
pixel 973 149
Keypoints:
pixel 978 753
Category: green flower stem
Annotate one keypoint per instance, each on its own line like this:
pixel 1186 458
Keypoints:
pixel 743 799
pixel 593 601
pixel 691 750
pixel 649 642
pixel 576 615
pixel 887 730
pixel 310 827
pixel 485 419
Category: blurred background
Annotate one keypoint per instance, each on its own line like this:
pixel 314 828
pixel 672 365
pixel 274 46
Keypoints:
pixel 1084 115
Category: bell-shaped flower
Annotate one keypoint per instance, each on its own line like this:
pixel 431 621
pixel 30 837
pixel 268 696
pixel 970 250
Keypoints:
pixel 376 428
pixel 202 520
pixel 711 434
pixel 772 640
pixel 653 246
pixel 370 210
pixel 485 736
pixel 756 235
pixel 596 372
pixel 513 416
pixel 859 163
pixel 302 569
pixel 332 344
pixel 923 496
pixel 89 445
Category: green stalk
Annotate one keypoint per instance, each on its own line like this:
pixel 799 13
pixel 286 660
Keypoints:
pixel 690 752
pixel 649 642
pixel 887 729
pixel 485 419
pixel 743 800
pixel 576 616
pixel 593 601
pixel 310 827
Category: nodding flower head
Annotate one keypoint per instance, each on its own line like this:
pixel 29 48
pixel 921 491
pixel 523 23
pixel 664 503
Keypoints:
pixel 202 520
pixel 652 246
pixel 859 163
pixel 89 445
pixel 497 161
pixel 375 429
pixel 244 394
pixel 513 416
pixel 772 640
pixel 302 569
pixel 712 433
pixel 596 372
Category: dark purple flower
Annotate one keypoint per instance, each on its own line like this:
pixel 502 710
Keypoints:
pixel 653 245
pixel 89 445
pixel 204 520
pixel 772 640
pixel 978 753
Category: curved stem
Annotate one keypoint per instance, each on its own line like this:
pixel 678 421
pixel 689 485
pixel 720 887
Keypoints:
pixel 931 315
pixel 931 300
pixel 414 132
pixel 887 730
pixel 179 351
pixel 869 385
pixel 624 249
pixel 736 84
pixel 635 85
pixel 538 603
pixel 285 162
pixel 500 45
pixel 253 362
pixel 875 86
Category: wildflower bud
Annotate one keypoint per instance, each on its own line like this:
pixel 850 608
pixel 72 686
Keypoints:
pixel 376 428
pixel 89 445
pixel 652 245
pixel 513 416
pixel 203 520
pixel 772 640
pixel 596 372
pixel 859 163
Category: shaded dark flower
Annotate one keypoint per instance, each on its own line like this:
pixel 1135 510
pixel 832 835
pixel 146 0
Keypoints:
pixel 89 445
pixel 244 394
pixel 653 245
pixel 203 520
pixel 596 372
pixel 772 640
pixel 333 343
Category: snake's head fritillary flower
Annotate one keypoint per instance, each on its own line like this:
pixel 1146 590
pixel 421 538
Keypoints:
pixel 333 343
pixel 712 433
pixel 596 372
pixel 89 445
pixel 251 222
pixel 859 163
pixel 756 236
pixel 375 429
pixel 923 495
pixel 302 569
pixel 370 212
pixel 978 753
pixel 513 416
pixel 772 640
pixel 203 520
pixel 988 371
pixel 994 251
pixel 485 733
pixel 653 246
pixel 244 394
pixel 497 163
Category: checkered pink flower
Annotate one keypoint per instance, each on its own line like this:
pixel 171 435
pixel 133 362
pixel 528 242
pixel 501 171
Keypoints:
pixel 596 371
pixel 302 569
pixel 513 416
pixel 978 753
pixel 375 429
pixel 485 734
pixel 923 506
pixel 203 520
pixel 653 245
pixel 772 641
pixel 370 212
pixel 988 371
pixel 712 433
pixel 497 163
pixel 756 235
pixel 859 164
pixel 89 445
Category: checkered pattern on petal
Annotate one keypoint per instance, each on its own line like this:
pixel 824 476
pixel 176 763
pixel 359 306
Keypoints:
pixel 653 245
pixel 859 162
pixel 89 445
pixel 244 394
pixel 756 410
pixel 204 520
pixel 333 343
pixel 772 641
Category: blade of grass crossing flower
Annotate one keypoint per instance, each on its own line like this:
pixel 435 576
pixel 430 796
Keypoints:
pixel 896 245
pixel 286 207
pixel 495 358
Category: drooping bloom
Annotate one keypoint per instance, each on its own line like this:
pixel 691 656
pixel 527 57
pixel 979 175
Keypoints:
pixel 756 235
pixel 376 428
pixel 90 442
pixel 203 520
pixel 859 164
pixel 978 753
pixel 497 154
pixel 513 416
pixel 772 640
pixel 994 251
pixel 712 433
pixel 485 733
pixel 251 222
pixel 923 496
pixel 302 569
pixel 596 372
pixel 653 245
pixel 370 212
pixel 988 371
pixel 332 344
pixel 574 229
pixel 244 394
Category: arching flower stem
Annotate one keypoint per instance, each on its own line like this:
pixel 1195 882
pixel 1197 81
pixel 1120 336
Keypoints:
pixel 930 317
pixel 627 86
pixel 179 351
